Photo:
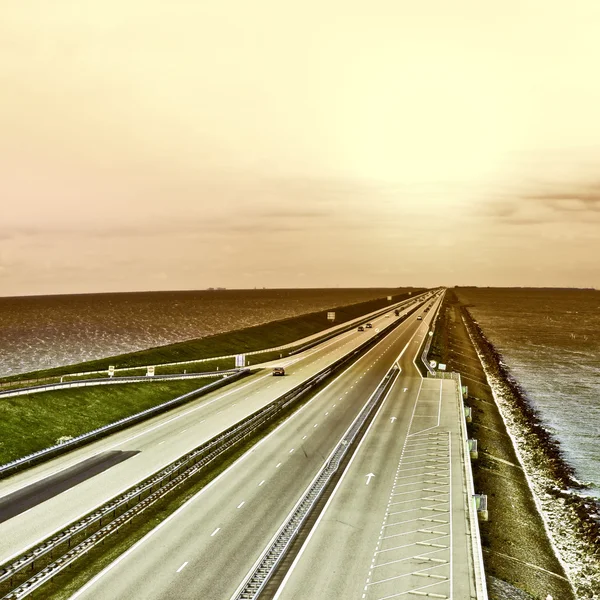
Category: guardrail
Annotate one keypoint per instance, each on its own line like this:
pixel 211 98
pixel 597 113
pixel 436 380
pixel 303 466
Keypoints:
pixel 352 326
pixel 426 352
pixel 157 486
pixel 109 381
pixel 52 451
pixel 426 344
pixel 478 567
pixel 271 558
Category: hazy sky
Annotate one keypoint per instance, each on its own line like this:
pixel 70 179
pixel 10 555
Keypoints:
pixel 186 144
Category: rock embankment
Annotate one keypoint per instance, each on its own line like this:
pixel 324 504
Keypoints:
pixel 516 546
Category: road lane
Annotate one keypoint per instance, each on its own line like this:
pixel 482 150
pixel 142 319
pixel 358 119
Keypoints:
pixel 246 512
pixel 157 443
pixel 406 533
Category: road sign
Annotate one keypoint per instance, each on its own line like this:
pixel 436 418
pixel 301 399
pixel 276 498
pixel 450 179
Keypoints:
pixel 111 370
pixel 240 360
pixel 442 367
pixel 331 316
pixel 390 298
pixel 433 364
pixel 150 372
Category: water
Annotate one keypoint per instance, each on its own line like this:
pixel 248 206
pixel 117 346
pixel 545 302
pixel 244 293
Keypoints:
pixel 550 340
pixel 39 332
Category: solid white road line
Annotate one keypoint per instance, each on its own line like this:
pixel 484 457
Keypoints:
pixel 182 567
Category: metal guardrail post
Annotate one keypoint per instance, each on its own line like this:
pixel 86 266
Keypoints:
pixel 480 585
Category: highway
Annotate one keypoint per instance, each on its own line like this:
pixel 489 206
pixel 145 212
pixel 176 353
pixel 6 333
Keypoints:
pixel 37 502
pixel 397 521
pixel 206 548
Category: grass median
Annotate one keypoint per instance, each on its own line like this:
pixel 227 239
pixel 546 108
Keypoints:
pixel 35 421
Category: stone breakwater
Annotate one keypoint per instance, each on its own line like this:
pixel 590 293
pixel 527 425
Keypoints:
pixel 572 519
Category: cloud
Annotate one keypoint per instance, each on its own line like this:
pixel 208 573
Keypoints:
pixel 549 203
pixel 584 199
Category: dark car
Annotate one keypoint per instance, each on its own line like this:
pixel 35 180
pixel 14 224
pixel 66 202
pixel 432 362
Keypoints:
pixel 369 326
pixel 278 371
pixel 361 328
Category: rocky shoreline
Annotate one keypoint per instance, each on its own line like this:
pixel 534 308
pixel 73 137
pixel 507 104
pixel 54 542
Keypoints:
pixel 571 519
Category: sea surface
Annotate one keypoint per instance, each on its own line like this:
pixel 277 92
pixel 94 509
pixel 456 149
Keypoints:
pixel 550 341
pixel 38 332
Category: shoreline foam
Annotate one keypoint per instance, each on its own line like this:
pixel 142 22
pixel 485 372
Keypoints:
pixel 571 519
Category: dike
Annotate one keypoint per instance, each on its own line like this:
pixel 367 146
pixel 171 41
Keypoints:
pixel 571 519
pixel 519 559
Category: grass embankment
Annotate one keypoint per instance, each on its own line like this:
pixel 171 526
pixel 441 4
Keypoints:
pixel 516 548
pixel 34 422
pixel 250 339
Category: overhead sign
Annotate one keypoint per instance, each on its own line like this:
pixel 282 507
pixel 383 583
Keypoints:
pixel 150 371
pixel 442 367
pixel 111 370
pixel 240 360
pixel 331 316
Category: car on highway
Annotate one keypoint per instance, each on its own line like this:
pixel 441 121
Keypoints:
pixel 369 326
pixel 419 318
pixel 360 328
pixel 278 372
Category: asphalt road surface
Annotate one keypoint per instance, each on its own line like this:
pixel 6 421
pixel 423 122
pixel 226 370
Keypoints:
pixel 87 477
pixel 207 547
pixel 397 523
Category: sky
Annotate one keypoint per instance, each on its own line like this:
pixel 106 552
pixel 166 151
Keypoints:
pixel 151 145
